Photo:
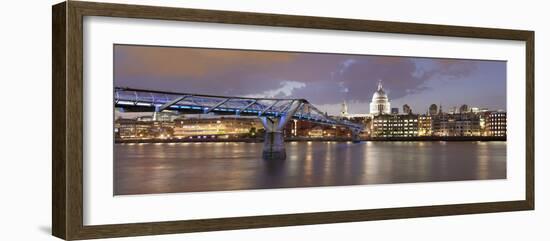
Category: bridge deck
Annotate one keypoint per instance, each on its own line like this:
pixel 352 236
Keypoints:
pixel 137 100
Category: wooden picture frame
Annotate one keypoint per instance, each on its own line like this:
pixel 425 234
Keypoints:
pixel 67 124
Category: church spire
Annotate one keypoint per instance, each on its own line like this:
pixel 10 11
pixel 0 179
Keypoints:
pixel 344 111
pixel 379 85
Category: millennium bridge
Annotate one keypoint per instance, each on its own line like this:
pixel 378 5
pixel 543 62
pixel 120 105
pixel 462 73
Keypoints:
pixel 274 113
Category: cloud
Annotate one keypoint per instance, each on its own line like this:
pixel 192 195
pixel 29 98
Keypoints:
pixel 346 64
pixel 286 90
pixel 343 88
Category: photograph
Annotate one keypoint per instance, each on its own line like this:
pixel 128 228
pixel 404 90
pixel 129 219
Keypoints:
pixel 203 120
pixel 189 119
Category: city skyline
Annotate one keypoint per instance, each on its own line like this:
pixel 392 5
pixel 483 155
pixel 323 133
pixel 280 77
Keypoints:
pixel 220 120
pixel 326 80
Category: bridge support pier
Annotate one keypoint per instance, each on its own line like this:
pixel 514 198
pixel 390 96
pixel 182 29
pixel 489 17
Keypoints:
pixel 274 142
pixel 274 146
pixel 355 136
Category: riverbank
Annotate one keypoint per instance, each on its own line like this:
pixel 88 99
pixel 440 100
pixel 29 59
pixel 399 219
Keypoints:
pixel 300 139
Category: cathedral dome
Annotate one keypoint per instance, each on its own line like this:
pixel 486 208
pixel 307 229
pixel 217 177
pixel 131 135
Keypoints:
pixel 380 94
pixel 380 103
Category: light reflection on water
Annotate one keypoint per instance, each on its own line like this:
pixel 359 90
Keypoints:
pixel 184 167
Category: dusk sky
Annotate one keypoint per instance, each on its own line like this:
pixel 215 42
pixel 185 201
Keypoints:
pixel 326 80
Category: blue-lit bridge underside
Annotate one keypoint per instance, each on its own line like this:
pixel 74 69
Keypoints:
pixel 274 113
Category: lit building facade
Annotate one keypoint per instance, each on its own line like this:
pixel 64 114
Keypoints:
pixel 216 127
pixel 319 132
pixel 303 128
pixel 425 125
pixel 142 128
pixel 467 124
pixel 130 128
pixel 395 126
pixel 496 123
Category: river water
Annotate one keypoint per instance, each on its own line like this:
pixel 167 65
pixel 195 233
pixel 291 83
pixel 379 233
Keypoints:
pixel 193 167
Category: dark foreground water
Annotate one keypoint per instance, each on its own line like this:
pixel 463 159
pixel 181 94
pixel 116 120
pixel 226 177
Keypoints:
pixel 192 167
